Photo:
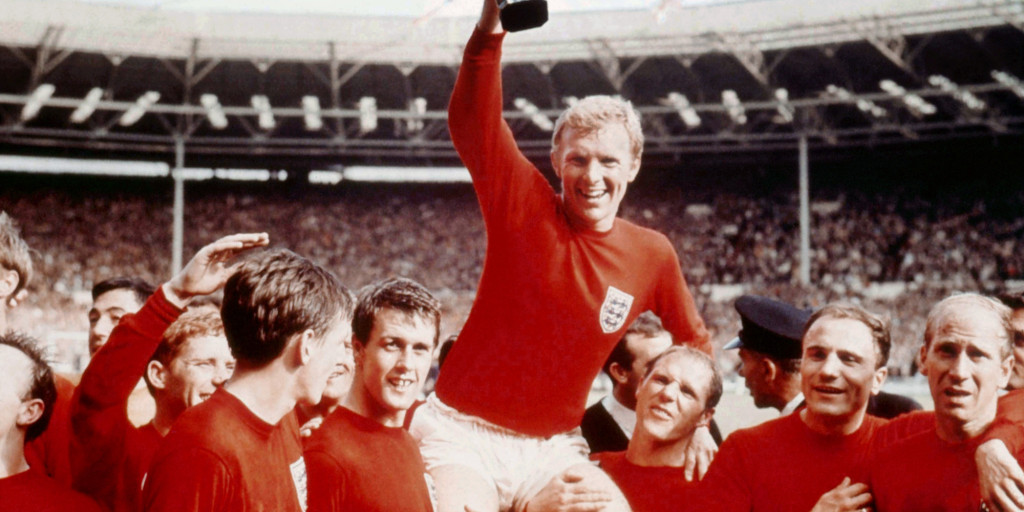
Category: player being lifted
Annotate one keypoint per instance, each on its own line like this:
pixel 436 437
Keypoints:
pixel 562 278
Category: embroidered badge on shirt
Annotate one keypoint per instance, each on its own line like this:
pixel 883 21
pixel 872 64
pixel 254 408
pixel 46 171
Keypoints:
pixel 615 309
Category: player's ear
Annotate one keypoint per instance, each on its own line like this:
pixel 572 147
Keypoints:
pixel 921 356
pixel 634 168
pixel 156 374
pixel 29 412
pixel 554 162
pixel 358 351
pixel 878 379
pixel 305 344
pixel 8 282
pixel 1005 370
pixel 705 417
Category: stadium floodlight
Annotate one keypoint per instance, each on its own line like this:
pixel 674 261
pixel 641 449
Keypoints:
pixel 865 106
pixel 418 107
pixel 88 105
pixel 1010 81
pixel 36 101
pixel 311 113
pixel 82 166
pixel 325 177
pixel 732 104
pixel 684 108
pixel 785 108
pixel 916 104
pixel 367 114
pixel 214 112
pixel 136 111
pixel 531 110
pixel 962 95
pixel 261 103
pixel 406 174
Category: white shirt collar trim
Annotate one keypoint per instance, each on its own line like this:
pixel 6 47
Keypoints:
pixel 624 417
pixel 793 404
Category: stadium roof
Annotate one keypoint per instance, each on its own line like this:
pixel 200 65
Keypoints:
pixel 672 30
pixel 314 89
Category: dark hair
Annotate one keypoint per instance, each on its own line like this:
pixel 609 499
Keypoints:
pixel 878 325
pixel 647 325
pixel 14 253
pixel 274 295
pixel 714 387
pixel 140 286
pixel 195 323
pixel 43 386
pixel 397 293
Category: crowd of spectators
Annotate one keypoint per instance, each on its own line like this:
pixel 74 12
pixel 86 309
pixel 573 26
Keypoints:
pixel 930 246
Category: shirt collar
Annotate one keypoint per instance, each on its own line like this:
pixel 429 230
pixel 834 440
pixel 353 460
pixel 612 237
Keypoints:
pixel 624 417
pixel 797 401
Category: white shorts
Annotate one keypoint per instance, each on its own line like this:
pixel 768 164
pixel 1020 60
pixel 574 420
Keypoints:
pixel 517 465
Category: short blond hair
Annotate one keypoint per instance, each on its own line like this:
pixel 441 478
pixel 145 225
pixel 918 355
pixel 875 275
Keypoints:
pixel 594 112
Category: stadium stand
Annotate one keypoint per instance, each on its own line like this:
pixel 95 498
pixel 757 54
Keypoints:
pixel 895 246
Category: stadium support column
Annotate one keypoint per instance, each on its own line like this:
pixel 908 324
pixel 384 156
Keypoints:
pixel 178 237
pixel 805 217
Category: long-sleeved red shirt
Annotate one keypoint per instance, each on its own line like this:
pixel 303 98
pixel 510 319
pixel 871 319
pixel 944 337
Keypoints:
pixel 110 455
pixel 552 300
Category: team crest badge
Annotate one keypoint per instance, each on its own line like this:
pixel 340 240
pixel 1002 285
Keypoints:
pixel 615 309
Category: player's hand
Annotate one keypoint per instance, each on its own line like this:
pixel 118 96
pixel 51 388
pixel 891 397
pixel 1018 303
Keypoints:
pixel 308 427
pixel 489 21
pixel 845 497
pixel 568 493
pixel 210 268
pixel 1000 478
pixel 699 454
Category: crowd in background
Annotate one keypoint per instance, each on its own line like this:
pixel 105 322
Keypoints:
pixel 932 245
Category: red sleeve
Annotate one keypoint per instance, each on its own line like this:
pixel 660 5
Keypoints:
pixel 99 417
pixel 190 480
pixel 676 308
pixel 326 483
pixel 502 177
pixel 1009 424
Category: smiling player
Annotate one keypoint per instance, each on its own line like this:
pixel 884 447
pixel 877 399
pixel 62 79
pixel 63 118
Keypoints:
pixel 562 279
pixel 804 461
pixel 361 458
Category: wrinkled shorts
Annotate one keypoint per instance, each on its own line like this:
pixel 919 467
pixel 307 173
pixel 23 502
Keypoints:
pixel 517 465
